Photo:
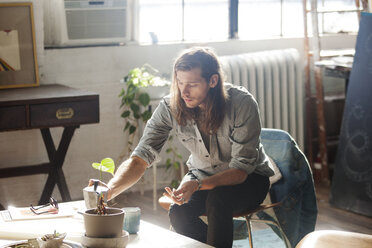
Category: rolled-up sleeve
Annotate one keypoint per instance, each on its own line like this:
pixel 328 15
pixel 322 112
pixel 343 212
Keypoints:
pixel 155 134
pixel 245 135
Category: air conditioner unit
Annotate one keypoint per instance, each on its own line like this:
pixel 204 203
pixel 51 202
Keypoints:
pixel 86 22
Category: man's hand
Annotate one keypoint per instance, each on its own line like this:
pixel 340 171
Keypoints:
pixel 100 183
pixel 128 173
pixel 183 193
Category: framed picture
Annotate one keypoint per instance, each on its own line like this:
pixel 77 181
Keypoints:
pixel 18 63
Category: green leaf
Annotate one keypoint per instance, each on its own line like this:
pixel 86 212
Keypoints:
pixel 144 99
pixel 146 115
pixel 168 163
pixel 132 129
pixel 179 156
pixel 127 126
pixel 122 92
pixel 170 138
pixel 175 184
pixel 168 150
pixel 135 107
pixel 96 166
pixel 125 114
pixel 129 99
pixel 176 165
pixel 106 165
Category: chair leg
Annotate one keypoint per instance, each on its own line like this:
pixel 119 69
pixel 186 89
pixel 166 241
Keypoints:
pixel 249 228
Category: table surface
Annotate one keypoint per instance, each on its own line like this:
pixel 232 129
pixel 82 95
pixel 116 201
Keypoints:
pixel 42 93
pixel 149 235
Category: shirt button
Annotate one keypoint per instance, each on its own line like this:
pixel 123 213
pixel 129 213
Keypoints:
pixel 206 156
pixel 200 140
pixel 183 140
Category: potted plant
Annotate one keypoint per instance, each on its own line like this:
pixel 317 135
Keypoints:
pixel 91 193
pixel 102 221
pixel 141 85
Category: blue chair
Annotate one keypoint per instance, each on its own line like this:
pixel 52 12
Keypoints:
pixel 293 196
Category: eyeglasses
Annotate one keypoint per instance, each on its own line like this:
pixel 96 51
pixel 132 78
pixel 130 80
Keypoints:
pixel 53 209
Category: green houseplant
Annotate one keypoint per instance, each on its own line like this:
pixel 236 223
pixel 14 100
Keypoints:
pixel 106 165
pixel 95 196
pixel 103 221
pixel 135 102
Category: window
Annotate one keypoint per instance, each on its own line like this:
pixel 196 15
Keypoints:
pixel 208 20
pixel 337 22
pixel 160 20
pixel 259 18
pixel 183 20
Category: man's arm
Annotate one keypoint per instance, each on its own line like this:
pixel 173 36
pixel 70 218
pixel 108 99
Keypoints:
pixel 129 172
pixel 230 176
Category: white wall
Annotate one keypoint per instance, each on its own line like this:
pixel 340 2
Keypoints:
pixel 99 69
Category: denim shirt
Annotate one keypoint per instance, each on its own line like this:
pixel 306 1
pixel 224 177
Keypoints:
pixel 298 212
pixel 236 144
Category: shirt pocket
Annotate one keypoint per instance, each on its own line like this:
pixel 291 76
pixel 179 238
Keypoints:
pixel 224 146
pixel 188 141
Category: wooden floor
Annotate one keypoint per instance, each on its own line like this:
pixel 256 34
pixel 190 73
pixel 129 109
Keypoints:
pixel 329 218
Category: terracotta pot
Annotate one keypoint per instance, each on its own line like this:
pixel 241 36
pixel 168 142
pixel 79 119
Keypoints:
pixel 104 226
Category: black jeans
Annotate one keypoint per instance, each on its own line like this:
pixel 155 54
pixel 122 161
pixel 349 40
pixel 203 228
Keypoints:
pixel 218 204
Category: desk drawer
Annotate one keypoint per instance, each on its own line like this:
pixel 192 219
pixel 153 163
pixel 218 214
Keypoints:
pixel 64 113
pixel 13 117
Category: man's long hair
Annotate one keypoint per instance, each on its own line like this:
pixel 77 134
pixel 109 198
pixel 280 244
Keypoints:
pixel 205 59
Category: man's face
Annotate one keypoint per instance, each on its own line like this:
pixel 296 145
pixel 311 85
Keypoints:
pixel 193 87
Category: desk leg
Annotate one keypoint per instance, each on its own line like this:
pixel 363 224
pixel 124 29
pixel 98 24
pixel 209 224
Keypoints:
pixel 56 158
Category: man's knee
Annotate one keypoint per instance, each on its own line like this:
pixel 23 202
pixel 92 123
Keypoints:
pixel 217 201
pixel 177 215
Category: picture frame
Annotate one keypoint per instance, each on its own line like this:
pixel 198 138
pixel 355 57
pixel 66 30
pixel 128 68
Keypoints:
pixel 18 59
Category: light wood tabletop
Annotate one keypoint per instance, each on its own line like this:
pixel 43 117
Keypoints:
pixel 149 235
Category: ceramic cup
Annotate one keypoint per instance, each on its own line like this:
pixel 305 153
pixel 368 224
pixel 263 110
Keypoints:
pixel 91 196
pixel 132 219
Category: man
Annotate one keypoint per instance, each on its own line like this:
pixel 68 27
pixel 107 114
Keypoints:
pixel 220 126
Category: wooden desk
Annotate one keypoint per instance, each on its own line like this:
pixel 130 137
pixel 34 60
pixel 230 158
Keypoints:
pixel 149 235
pixel 41 108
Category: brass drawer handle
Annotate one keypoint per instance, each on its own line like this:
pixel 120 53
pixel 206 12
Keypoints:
pixel 64 113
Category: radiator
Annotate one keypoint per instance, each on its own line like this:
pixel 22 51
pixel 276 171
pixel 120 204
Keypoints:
pixel 275 79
